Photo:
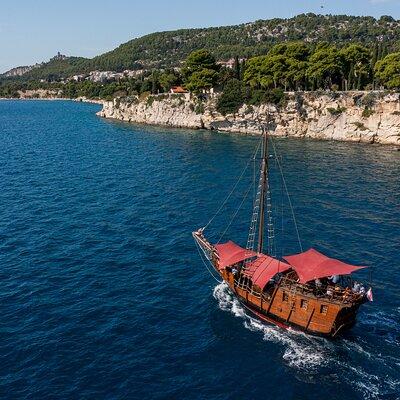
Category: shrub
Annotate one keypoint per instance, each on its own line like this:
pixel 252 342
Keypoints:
pixel 336 111
pixel 360 126
pixel 150 101
pixel 369 100
pixel 274 96
pixel 199 108
pixel 144 96
pixel 335 87
pixel 249 110
pixel 367 112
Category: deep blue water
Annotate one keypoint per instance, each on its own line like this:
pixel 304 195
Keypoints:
pixel 103 294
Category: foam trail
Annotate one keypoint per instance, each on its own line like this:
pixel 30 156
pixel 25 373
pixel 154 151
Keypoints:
pixel 308 354
pixel 301 351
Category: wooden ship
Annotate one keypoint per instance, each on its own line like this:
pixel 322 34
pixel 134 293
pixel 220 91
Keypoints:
pixel 307 291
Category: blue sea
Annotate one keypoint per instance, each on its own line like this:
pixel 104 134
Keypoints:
pixel 103 294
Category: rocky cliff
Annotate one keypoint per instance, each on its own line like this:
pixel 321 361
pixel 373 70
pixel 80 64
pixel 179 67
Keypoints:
pixel 370 117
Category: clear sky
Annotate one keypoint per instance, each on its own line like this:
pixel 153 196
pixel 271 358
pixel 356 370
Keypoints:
pixel 34 30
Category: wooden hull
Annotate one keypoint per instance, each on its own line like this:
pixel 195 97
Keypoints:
pixel 273 320
pixel 323 311
pixel 310 314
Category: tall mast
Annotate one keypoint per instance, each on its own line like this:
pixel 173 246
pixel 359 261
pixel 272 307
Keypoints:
pixel 263 182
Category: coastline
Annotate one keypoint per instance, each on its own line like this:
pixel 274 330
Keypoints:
pixel 78 100
pixel 361 117
pixel 302 117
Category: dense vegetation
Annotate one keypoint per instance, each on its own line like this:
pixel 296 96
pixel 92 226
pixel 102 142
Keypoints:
pixel 356 53
pixel 169 49
pixel 292 66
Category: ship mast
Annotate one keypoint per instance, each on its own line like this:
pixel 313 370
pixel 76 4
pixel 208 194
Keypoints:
pixel 263 186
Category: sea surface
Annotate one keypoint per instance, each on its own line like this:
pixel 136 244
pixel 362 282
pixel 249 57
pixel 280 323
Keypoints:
pixel 103 294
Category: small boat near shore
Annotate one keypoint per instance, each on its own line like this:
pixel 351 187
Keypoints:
pixel 307 291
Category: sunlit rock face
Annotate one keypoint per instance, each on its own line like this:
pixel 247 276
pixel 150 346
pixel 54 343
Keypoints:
pixel 369 117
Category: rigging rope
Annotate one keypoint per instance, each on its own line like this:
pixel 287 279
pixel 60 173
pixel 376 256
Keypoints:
pixel 205 264
pixel 234 215
pixel 234 187
pixel 288 196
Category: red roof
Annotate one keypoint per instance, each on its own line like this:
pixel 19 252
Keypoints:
pixel 230 253
pixel 178 89
pixel 312 264
pixel 264 268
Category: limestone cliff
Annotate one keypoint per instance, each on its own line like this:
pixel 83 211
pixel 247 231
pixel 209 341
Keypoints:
pixel 370 117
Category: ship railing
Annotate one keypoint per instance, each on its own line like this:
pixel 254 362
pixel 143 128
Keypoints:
pixel 239 283
pixel 337 294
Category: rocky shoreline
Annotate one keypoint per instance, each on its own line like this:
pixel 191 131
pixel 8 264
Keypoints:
pixel 364 117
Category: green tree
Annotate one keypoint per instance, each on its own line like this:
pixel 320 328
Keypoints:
pixel 236 68
pixel 168 79
pixel 197 61
pixel 200 71
pixel 232 97
pixel 325 67
pixel 297 50
pixel 387 71
pixel 203 79
pixel 356 64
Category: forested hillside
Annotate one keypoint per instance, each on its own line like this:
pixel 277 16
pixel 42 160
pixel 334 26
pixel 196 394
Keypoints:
pixel 246 40
pixel 167 49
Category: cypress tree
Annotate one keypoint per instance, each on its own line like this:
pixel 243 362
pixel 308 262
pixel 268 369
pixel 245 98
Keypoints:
pixel 379 55
pixel 374 55
pixel 237 68
pixel 153 84
pixel 242 68
pixel 359 82
pixel 350 79
pixel 384 51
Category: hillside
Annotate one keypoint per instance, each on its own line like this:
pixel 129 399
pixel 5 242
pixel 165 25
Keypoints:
pixel 169 48
pixel 165 49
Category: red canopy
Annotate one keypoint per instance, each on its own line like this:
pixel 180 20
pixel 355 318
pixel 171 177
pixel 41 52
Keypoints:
pixel 312 264
pixel 230 253
pixel 264 268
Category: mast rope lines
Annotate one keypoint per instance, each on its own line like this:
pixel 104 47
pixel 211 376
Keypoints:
pixel 201 253
pixel 234 186
pixel 236 212
pixel 287 194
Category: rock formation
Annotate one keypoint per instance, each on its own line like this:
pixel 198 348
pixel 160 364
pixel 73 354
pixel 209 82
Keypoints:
pixel 370 117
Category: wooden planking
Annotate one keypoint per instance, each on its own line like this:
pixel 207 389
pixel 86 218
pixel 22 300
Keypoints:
pixel 290 311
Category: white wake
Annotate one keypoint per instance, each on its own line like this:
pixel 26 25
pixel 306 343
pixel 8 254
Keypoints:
pixel 309 354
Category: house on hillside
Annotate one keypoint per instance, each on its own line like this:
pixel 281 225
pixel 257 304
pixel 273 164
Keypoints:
pixel 178 90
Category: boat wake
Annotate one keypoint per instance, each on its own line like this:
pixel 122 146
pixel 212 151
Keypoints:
pixel 346 359
pixel 301 351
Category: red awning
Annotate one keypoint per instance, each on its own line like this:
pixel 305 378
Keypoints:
pixel 312 264
pixel 264 268
pixel 230 253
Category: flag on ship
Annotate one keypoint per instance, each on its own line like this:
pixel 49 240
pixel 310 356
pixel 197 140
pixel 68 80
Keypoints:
pixel 369 295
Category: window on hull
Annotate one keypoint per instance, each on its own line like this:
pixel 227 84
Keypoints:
pixel 324 309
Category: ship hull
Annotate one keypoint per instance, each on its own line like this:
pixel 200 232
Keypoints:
pixel 282 324
pixel 296 311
